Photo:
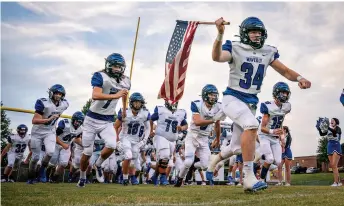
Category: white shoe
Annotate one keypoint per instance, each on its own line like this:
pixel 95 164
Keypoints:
pixel 334 184
pixel 339 184
pixel 203 183
pixel 99 174
pixel 193 183
pixel 287 185
pixel 230 183
pixel 3 180
pixel 239 185
pixel 279 184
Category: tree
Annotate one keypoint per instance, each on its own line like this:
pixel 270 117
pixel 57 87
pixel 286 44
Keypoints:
pixel 5 132
pixel 322 151
pixel 87 106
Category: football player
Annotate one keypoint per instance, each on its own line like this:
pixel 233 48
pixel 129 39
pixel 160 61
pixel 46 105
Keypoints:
pixel 204 116
pixel 170 121
pixel 109 85
pixel 248 60
pixel 47 112
pixel 66 131
pixel 270 129
pixel 17 144
pixel 134 133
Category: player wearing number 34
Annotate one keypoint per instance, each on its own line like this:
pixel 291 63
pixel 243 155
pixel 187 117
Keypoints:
pixel 109 85
pixel 248 61
pixel 47 112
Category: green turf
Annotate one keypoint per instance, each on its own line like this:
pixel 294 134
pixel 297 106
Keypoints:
pixel 114 194
pixel 313 179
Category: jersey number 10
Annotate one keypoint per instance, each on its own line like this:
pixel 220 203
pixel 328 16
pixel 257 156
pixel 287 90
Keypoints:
pixel 258 77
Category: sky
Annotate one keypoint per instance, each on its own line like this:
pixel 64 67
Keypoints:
pixel 48 43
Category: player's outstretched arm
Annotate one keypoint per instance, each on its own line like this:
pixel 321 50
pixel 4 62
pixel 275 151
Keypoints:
pixel 290 74
pixel 218 54
pixel 197 119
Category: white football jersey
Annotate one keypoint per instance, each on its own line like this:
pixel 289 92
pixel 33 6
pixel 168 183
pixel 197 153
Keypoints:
pixel 167 122
pixel 18 143
pixel 133 127
pixel 47 108
pixel 199 107
pixel 105 109
pixel 68 131
pixel 276 115
pixel 248 66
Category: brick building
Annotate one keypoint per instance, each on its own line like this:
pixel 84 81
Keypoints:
pixel 305 161
pixel 311 161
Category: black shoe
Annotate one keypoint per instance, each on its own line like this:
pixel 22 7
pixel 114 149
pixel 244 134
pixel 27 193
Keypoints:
pixel 125 182
pixel 179 182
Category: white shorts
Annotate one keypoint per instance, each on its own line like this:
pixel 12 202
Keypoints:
pixel 164 148
pixel 199 145
pixel 76 158
pixel 271 149
pixel 130 150
pixel 61 156
pixel 37 140
pixel 14 159
pixel 92 127
pixel 239 112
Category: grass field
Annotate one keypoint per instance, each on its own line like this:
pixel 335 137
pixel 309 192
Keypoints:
pixel 114 194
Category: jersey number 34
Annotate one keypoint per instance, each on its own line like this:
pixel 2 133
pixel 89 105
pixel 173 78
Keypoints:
pixel 257 79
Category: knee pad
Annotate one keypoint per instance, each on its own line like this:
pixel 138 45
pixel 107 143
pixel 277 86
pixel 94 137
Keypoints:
pixel 163 163
pixel 88 150
pixel 269 158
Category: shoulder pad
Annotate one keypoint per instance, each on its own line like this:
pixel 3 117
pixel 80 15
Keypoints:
pixel 197 101
pixel 44 99
pixel 267 102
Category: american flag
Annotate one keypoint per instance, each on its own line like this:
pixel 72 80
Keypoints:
pixel 177 58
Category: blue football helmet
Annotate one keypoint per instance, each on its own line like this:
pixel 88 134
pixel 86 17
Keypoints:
pixel 57 88
pixel 22 130
pixel 136 96
pixel 77 119
pixel 117 60
pixel 252 24
pixel 206 91
pixel 278 90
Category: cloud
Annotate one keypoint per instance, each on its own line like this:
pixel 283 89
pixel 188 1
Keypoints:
pixel 71 41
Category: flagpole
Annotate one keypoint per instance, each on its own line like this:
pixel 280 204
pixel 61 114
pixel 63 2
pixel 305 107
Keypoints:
pixel 133 56
pixel 212 23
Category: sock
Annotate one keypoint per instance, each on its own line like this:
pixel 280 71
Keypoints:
pixel 99 161
pixel 248 168
pixel 264 172
pixel 213 163
pixel 125 176
pixel 82 174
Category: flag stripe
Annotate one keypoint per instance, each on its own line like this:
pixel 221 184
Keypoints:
pixel 177 61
